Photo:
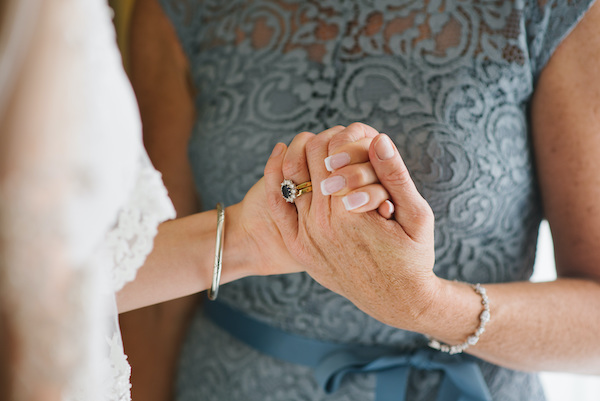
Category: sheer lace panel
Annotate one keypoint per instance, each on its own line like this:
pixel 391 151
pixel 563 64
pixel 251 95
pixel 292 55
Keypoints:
pixel 431 27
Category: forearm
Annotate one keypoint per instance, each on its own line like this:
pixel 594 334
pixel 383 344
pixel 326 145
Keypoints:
pixel 181 262
pixel 549 326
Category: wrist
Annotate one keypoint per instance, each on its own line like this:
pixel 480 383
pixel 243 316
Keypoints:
pixel 454 314
pixel 429 305
pixel 263 250
pixel 236 256
pixel 473 339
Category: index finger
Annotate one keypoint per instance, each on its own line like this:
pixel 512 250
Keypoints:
pixel 349 153
pixel 350 146
pixel 352 133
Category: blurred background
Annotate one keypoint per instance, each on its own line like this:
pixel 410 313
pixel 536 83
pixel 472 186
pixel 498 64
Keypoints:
pixel 559 387
pixel 122 9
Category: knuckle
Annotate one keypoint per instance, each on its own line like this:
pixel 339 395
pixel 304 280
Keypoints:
pixel 305 134
pixel 294 168
pixel 314 144
pixel 359 177
pixel 397 177
pixel 423 213
pixel 362 130
pixel 357 126
pixel 336 142
pixel 355 131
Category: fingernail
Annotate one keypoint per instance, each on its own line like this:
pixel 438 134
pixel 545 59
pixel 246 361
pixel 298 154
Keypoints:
pixel 332 184
pixel 336 161
pixel 384 148
pixel 355 200
pixel 277 150
pixel 390 207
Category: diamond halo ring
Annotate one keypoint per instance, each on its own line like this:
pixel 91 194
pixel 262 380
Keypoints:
pixel 291 191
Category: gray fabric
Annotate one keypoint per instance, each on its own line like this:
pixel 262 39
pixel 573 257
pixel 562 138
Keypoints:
pixel 449 81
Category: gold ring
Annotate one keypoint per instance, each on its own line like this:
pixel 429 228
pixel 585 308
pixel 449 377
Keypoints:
pixel 291 191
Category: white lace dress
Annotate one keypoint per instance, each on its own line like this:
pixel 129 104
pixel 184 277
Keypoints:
pixel 80 201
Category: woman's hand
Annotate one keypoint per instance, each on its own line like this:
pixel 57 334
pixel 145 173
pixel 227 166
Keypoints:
pixel 383 266
pixel 262 242
pixel 260 231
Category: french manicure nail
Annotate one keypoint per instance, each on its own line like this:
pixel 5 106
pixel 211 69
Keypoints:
pixel 384 148
pixel 336 161
pixel 332 184
pixel 355 200
pixel 390 207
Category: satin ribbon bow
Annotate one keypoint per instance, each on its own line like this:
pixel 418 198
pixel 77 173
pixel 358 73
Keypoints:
pixel 462 380
pixel 331 362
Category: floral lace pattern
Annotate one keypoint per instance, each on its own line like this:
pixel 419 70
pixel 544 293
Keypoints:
pixel 130 241
pixel 449 81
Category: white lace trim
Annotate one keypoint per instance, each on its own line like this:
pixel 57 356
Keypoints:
pixel 130 241
pixel 119 384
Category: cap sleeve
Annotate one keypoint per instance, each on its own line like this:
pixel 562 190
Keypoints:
pixel 549 22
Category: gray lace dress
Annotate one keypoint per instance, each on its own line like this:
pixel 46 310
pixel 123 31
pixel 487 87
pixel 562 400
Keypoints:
pixel 449 81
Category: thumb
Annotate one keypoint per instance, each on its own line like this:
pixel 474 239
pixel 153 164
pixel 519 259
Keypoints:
pixel 413 212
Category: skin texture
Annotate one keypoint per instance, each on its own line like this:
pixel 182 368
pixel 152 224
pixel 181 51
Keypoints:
pixel 549 326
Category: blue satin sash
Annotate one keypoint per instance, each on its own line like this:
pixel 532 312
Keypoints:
pixel 331 362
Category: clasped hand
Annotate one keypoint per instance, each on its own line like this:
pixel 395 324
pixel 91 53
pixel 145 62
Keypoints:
pixel 383 264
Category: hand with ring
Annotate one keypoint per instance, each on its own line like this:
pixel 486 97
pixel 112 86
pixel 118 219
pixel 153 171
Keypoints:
pixel 385 267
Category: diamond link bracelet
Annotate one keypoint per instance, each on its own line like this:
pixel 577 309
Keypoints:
pixel 484 317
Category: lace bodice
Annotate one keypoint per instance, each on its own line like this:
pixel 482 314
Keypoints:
pixel 449 81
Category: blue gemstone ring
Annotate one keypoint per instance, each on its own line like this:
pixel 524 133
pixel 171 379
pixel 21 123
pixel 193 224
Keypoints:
pixel 291 191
